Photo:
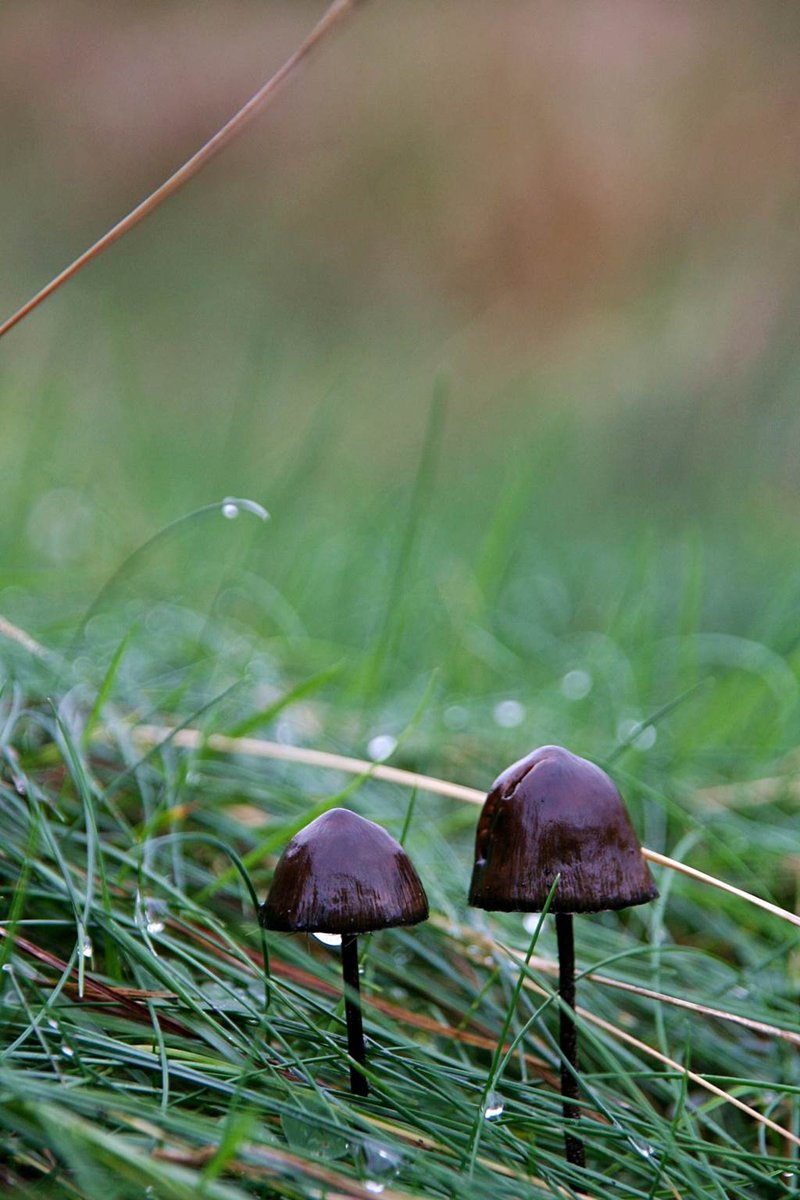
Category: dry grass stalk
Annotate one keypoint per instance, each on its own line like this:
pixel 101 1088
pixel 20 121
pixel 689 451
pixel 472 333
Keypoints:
pixel 193 739
pixel 255 105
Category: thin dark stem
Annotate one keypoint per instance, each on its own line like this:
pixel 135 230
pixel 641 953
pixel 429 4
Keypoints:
pixel 568 1034
pixel 352 1012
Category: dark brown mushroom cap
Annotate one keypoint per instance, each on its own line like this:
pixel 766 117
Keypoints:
pixel 343 874
pixel 554 812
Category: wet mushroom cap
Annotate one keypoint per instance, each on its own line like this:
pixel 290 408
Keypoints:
pixel 555 812
pixel 343 874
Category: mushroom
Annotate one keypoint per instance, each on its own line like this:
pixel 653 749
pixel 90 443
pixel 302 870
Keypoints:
pixel 551 815
pixel 344 875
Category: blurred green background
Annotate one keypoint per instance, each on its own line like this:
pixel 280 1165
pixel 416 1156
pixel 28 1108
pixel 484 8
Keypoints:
pixel 574 225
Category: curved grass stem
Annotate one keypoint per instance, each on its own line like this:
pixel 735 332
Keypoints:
pixel 230 130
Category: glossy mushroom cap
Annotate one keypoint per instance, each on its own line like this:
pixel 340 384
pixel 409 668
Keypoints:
pixel 343 874
pixel 554 812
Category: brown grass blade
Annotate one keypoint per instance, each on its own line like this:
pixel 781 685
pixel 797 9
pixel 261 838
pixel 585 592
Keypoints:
pixel 255 105
pixel 94 990
pixel 15 634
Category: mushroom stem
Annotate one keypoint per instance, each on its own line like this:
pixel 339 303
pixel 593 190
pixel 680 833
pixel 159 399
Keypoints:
pixel 352 1011
pixel 568 1034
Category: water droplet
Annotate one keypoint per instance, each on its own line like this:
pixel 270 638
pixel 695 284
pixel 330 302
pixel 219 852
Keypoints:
pixel 285 731
pixel 379 1162
pixel 382 746
pixel 150 914
pixel 576 684
pixel 87 949
pixel 233 505
pixel 647 738
pixel 329 939
pixel 66 1051
pixel 381 1158
pixel 456 717
pixel 51 1024
pixel 645 1149
pixel 641 737
pixel 8 968
pixel 508 714
pixel 493 1106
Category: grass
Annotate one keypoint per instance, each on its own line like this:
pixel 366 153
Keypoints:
pixel 144 1050
pixel 595 572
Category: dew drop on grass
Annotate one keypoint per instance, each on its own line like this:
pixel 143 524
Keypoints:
pixel 150 914
pixel 493 1106
pixel 456 717
pixel 232 506
pixel 379 1163
pixel 508 714
pixel 639 736
pixel 285 731
pixel 576 685
pixel 87 949
pixel 66 1051
pixel 329 939
pixel 382 746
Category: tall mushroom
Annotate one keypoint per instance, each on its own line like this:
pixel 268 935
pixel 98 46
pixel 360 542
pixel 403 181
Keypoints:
pixel 344 875
pixel 554 814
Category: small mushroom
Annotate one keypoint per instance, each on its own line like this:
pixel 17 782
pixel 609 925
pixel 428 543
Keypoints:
pixel 554 814
pixel 344 875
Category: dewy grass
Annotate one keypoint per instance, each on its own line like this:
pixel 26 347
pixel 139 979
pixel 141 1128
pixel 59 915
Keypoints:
pixel 168 1073
pixel 154 735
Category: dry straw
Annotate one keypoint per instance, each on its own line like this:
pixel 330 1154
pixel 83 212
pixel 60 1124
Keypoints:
pixel 333 17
